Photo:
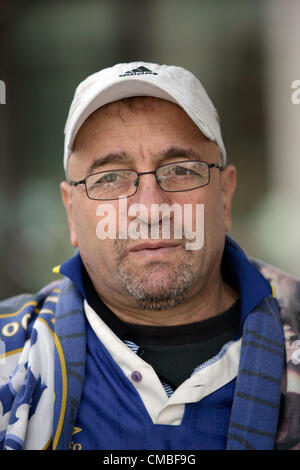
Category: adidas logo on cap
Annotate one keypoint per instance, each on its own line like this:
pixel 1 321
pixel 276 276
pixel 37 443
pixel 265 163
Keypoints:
pixel 139 71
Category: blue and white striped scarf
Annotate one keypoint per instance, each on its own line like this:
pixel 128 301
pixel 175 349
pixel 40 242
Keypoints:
pixel 40 400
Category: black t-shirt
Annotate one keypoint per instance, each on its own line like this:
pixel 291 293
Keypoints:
pixel 173 351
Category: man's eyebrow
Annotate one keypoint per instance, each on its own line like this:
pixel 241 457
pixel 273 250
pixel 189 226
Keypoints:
pixel 170 152
pixel 180 152
pixel 109 158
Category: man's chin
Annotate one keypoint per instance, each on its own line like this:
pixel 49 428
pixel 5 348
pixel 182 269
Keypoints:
pixel 159 286
pixel 153 297
pixel 154 304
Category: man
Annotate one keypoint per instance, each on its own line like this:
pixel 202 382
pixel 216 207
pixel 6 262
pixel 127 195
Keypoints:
pixel 152 340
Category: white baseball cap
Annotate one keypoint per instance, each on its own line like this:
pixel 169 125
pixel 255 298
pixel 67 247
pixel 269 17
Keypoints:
pixel 125 80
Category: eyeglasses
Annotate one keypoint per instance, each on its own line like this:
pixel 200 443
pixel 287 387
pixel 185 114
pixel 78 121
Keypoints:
pixel 172 177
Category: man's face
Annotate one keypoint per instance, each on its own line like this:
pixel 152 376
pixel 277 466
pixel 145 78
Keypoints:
pixel 151 133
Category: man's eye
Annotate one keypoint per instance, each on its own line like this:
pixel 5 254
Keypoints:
pixel 108 178
pixel 181 170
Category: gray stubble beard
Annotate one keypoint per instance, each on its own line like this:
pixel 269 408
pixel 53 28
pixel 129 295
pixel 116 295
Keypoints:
pixel 151 295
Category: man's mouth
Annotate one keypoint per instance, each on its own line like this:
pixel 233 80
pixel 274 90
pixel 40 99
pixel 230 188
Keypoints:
pixel 154 248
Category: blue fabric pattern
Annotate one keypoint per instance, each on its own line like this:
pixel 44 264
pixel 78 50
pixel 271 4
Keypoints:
pixel 258 387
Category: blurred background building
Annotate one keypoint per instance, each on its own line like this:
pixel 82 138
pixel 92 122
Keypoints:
pixel 245 53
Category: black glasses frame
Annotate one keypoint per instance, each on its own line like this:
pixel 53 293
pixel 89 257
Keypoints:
pixel 153 172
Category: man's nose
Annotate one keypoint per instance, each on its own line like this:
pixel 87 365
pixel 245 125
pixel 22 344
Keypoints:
pixel 149 191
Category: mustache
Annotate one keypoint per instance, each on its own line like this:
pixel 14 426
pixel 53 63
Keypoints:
pixel 149 232
pixel 166 228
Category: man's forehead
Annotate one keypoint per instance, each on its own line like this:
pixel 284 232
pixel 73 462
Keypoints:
pixel 127 110
pixel 126 107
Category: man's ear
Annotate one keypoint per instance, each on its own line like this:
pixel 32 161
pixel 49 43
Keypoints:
pixel 66 194
pixel 228 185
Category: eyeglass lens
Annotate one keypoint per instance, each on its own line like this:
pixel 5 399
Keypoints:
pixel 179 176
